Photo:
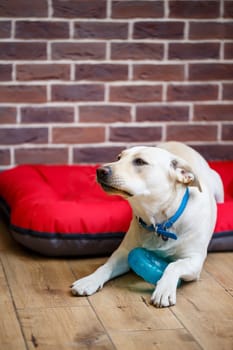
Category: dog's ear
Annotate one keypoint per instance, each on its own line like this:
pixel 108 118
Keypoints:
pixel 184 174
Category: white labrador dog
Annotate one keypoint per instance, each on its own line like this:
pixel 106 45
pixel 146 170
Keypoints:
pixel 155 180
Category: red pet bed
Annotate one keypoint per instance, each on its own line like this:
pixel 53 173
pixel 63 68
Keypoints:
pixel 62 211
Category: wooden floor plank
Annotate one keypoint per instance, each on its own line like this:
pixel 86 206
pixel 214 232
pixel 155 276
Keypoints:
pixel 37 281
pixel 10 333
pixel 178 339
pixel 220 266
pixel 130 309
pixel 63 328
pixel 206 310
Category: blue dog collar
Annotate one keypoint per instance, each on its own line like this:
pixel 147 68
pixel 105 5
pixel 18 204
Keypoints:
pixel 162 228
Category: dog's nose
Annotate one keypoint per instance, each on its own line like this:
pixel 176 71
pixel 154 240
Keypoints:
pixel 103 172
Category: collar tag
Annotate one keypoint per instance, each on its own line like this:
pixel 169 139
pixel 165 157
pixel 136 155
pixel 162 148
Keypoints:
pixel 161 230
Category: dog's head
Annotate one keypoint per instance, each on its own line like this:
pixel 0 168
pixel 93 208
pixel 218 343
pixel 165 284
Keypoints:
pixel 145 171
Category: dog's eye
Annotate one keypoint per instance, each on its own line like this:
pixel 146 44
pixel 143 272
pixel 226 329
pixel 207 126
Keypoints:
pixel 119 157
pixel 139 162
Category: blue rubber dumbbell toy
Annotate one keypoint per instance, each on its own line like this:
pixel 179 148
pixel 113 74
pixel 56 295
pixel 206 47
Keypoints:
pixel 147 264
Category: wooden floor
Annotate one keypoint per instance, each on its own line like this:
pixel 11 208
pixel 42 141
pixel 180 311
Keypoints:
pixel 37 310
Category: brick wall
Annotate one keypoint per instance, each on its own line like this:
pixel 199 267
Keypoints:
pixel 80 80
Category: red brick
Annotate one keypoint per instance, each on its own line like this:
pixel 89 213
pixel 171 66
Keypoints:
pixel 5 72
pixel 79 8
pixel 101 72
pixel 215 152
pixel 5 29
pixel 78 51
pixel 228 51
pixel 197 92
pixel 213 112
pixel 104 114
pixel 5 157
pixel 53 71
pixel 135 134
pixel 137 8
pixel 227 132
pixel 193 132
pixel 23 8
pixel 136 51
pixel 41 155
pixel 41 30
pixel 159 72
pixel 76 135
pixel 194 51
pixel 47 114
pixel 22 93
pixel 158 30
pixel 95 154
pixel 75 92
pixel 211 71
pixel 15 136
pixel 228 91
pixel 131 93
pixel 194 9
pixel 228 9
pixel 162 113
pixel 7 115
pixel 211 30
pixel 22 51
pixel 101 30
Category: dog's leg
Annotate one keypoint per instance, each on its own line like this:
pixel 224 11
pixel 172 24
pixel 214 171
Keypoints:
pixel 187 269
pixel 116 265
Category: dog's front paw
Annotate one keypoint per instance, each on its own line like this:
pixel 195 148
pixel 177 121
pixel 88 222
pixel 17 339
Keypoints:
pixel 164 294
pixel 86 286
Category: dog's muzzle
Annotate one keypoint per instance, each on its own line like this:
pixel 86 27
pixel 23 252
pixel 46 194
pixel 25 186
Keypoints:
pixel 104 178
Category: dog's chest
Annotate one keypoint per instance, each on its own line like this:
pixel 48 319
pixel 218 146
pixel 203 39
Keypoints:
pixel 154 242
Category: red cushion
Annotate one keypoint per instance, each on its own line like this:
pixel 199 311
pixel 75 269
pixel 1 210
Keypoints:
pixel 61 210
pixel 222 239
